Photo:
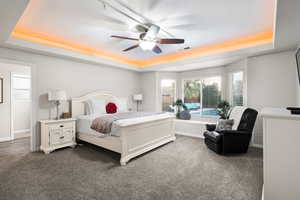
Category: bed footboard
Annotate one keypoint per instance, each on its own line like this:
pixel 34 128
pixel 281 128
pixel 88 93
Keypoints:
pixel 140 138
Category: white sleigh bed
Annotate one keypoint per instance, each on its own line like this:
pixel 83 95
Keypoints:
pixel 135 138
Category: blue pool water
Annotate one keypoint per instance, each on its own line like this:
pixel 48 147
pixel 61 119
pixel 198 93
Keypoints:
pixel 210 112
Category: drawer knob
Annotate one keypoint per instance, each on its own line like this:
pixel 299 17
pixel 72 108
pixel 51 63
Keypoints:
pixel 62 137
pixel 61 126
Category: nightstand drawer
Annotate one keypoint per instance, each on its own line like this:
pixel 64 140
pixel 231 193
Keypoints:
pixel 67 134
pixel 61 125
pixel 55 136
pixel 61 136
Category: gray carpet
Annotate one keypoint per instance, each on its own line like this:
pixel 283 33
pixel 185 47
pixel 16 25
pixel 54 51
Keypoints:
pixel 184 169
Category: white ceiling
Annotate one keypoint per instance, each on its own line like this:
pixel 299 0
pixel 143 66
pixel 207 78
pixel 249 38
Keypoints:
pixel 199 22
pixel 8 19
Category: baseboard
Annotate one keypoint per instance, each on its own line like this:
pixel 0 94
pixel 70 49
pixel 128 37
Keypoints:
pixel 189 134
pixel 21 133
pixel 5 139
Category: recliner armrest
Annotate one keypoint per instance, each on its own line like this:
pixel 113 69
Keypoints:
pixel 210 127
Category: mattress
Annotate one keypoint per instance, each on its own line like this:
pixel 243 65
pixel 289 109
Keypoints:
pixel 84 123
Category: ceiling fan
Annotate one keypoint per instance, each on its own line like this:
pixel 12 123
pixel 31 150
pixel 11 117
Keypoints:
pixel 148 40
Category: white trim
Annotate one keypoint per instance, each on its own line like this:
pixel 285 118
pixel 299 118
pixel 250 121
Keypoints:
pixel 12 135
pixel 5 139
pixel 22 131
pixel 22 135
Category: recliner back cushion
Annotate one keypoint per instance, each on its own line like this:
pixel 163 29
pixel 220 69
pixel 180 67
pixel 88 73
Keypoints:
pixel 248 120
pixel 236 114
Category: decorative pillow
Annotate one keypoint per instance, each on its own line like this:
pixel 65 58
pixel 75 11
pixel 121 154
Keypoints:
pixel 122 104
pixel 111 108
pixel 88 108
pixel 224 124
pixel 97 106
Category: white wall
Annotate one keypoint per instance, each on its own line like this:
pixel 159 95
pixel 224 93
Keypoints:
pixel 75 78
pixel 272 82
pixel 149 88
pixel 22 116
pixel 5 108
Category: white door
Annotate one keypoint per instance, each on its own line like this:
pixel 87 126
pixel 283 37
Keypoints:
pixel 21 105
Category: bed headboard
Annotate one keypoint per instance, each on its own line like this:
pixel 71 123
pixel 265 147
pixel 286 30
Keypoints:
pixel 78 106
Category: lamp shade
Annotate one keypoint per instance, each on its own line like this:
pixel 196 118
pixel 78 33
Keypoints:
pixel 57 95
pixel 138 97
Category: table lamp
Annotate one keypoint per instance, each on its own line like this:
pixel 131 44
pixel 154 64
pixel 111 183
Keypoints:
pixel 138 98
pixel 57 96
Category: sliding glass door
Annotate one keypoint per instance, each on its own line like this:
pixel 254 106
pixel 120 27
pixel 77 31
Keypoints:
pixel 202 96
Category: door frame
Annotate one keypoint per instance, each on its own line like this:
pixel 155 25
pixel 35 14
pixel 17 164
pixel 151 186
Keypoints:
pixel 34 100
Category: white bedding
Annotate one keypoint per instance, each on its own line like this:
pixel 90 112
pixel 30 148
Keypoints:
pixel 84 123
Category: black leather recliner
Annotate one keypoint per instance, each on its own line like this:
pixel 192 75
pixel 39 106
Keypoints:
pixel 232 141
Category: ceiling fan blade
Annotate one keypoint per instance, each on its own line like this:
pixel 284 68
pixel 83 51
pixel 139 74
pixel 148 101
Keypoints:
pixel 126 38
pixel 156 49
pixel 171 41
pixel 132 47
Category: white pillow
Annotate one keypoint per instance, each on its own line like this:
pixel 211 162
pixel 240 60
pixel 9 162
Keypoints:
pixel 122 104
pixel 88 107
pixel 96 106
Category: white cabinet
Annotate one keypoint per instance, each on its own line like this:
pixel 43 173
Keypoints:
pixel 57 134
pixel 281 154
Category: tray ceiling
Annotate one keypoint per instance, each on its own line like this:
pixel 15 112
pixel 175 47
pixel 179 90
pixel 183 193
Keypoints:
pixel 208 27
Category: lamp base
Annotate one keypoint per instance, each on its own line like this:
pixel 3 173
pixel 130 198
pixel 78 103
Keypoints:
pixel 57 103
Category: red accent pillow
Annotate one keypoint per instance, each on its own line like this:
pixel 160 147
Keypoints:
pixel 111 108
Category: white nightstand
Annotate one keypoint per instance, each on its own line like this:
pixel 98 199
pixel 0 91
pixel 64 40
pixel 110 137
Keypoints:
pixel 56 134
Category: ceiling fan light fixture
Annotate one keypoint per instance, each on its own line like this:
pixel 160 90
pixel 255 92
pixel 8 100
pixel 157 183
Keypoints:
pixel 147 45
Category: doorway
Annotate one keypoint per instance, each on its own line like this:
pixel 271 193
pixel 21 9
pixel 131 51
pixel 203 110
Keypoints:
pixel 15 108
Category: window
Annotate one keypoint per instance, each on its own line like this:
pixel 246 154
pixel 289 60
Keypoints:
pixel 237 89
pixel 168 91
pixel 192 91
pixel 202 96
pixel 211 89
